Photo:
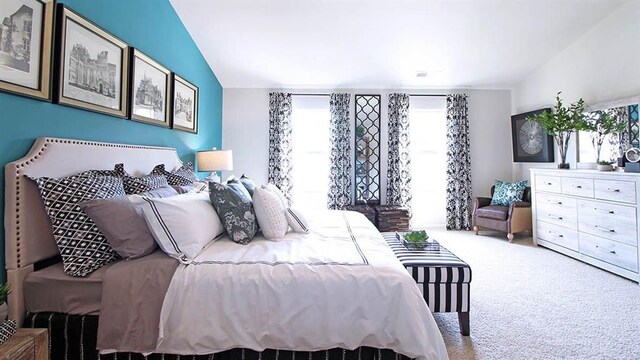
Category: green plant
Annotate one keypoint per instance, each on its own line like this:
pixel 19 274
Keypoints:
pixel 603 162
pixel 416 236
pixel 4 292
pixel 562 122
pixel 602 124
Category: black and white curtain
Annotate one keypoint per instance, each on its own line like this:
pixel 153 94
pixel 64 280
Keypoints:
pixel 398 171
pixel 340 180
pixel 280 142
pixel 458 164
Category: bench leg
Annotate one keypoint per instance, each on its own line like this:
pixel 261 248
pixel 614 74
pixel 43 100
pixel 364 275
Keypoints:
pixel 463 320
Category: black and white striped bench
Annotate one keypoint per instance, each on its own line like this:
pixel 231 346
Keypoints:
pixel 444 280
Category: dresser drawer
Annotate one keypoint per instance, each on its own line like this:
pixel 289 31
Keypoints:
pixel 548 183
pixel 568 219
pixel 613 252
pixel 555 203
pixel 611 221
pixel 558 235
pixel 577 187
pixel 616 190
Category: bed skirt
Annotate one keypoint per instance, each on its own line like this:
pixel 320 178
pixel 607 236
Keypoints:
pixel 73 337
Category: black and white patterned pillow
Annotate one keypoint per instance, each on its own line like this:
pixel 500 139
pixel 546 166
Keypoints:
pixel 138 185
pixel 233 205
pixel 118 171
pixel 182 176
pixel 7 329
pixel 82 246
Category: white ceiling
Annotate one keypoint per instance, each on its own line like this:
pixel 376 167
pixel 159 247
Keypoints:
pixel 383 44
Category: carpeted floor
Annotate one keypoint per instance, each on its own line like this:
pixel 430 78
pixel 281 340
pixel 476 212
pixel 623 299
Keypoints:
pixel 529 302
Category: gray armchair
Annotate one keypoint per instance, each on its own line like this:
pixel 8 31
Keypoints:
pixel 510 219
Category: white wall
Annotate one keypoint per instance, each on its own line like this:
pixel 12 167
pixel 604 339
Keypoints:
pixel 246 132
pixel 600 66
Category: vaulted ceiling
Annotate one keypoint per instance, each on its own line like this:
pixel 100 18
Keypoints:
pixel 384 44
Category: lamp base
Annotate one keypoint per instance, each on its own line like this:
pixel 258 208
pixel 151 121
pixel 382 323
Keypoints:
pixel 213 177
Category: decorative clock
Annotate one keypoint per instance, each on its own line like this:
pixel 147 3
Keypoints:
pixel 530 142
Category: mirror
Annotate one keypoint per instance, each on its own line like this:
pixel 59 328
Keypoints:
pixel 626 111
pixel 367 149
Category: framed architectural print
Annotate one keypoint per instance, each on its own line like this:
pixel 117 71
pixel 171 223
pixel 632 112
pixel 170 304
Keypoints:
pixel 26 40
pixel 150 90
pixel 530 142
pixel 92 66
pixel 185 105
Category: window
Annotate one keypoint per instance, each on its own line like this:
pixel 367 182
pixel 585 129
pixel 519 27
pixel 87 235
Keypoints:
pixel 427 116
pixel 310 142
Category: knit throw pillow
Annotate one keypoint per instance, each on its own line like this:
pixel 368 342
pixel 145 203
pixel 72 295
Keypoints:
pixel 506 193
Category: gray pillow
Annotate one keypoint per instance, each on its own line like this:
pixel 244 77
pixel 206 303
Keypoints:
pixel 233 205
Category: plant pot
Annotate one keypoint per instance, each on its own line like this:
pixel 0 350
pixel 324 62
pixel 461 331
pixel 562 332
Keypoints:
pixel 563 166
pixel 606 167
pixel 4 311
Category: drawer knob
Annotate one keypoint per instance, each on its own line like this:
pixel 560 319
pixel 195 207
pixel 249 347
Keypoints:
pixel 614 190
pixel 612 251
pixel 605 211
pixel 555 216
pixel 605 230
pixel 579 186
pixel 559 202
pixel 556 235
pixel 609 251
pixel 549 183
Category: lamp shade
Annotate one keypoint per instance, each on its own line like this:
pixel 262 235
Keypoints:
pixel 215 160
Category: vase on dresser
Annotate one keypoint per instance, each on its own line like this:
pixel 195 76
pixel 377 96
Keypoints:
pixel 590 215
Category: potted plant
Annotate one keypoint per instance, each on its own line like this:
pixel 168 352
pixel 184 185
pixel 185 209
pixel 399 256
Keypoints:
pixel 561 123
pixel 4 292
pixel 604 166
pixel 602 125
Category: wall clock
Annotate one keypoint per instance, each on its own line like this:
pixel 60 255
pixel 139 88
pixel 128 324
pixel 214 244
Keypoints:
pixel 530 142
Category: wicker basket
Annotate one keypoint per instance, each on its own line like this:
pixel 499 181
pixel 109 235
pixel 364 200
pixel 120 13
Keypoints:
pixel 391 218
pixel 364 209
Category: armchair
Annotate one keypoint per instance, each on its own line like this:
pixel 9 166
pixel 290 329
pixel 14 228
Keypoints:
pixel 510 219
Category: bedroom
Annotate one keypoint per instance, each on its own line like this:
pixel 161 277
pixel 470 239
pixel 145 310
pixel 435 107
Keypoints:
pixel 508 57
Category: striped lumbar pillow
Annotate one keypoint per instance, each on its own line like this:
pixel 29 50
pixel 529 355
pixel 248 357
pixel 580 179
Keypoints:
pixel 297 221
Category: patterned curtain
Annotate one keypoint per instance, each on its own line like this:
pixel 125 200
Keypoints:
pixel 339 193
pixel 458 164
pixel 398 172
pixel 280 142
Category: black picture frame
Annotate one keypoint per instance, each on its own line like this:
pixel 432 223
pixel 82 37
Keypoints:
pixel 151 95
pixel 521 129
pixel 31 76
pixel 186 120
pixel 84 76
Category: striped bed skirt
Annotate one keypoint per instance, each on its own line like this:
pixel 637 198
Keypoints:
pixel 73 337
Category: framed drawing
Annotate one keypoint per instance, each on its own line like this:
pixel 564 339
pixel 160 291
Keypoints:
pixel 150 90
pixel 26 40
pixel 185 105
pixel 92 66
pixel 530 142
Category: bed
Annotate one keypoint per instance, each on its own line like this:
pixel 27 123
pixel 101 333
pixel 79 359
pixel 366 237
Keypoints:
pixel 338 292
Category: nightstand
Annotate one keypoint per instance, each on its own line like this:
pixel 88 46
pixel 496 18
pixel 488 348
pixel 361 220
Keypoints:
pixel 26 344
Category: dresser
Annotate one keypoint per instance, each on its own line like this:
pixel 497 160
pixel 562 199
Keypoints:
pixel 590 215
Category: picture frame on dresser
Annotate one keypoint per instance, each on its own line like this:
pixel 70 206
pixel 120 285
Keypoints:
pixel 26 43
pixel 150 90
pixel 184 110
pixel 530 143
pixel 92 66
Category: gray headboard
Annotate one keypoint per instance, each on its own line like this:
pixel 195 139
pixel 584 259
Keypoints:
pixel 28 237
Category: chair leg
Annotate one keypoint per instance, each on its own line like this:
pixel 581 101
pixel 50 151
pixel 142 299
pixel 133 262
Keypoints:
pixel 510 237
pixel 476 229
pixel 463 320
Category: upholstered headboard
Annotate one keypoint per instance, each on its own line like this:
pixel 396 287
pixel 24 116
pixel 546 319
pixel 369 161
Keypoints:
pixel 28 237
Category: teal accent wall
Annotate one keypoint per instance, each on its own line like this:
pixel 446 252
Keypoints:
pixel 151 26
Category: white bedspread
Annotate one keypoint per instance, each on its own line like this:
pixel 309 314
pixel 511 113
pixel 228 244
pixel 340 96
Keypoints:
pixel 338 286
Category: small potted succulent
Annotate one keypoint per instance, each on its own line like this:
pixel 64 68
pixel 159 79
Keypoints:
pixel 604 165
pixel 417 240
pixel 4 293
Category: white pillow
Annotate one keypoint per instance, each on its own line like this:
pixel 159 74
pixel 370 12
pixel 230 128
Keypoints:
pixel 271 213
pixel 297 221
pixel 182 225
pixel 276 190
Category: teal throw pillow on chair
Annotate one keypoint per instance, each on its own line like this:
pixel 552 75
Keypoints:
pixel 506 193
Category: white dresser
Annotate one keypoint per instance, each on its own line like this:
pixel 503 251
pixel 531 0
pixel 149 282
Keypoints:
pixel 590 215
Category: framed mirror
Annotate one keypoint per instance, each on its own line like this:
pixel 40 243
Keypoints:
pixel 614 145
pixel 367 149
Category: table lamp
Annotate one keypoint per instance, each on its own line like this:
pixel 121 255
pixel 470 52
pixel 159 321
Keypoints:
pixel 214 161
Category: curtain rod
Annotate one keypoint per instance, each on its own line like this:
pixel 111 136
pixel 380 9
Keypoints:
pixel 310 94
pixel 429 95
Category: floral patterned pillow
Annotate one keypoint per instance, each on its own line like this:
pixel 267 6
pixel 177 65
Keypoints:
pixel 506 193
pixel 233 205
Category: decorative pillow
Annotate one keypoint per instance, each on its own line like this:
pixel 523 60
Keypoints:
pixel 182 176
pixel 7 329
pixel 164 191
pixel 240 189
pixel 297 221
pixel 235 211
pixel 81 244
pixel 137 185
pixel 182 225
pixel 506 193
pixel 271 214
pixel 118 171
pixel 248 183
pixel 278 192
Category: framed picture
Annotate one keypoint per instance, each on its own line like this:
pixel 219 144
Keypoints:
pixel 185 105
pixel 150 90
pixel 26 40
pixel 92 66
pixel 530 142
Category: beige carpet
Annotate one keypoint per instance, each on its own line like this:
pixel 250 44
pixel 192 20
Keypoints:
pixel 529 302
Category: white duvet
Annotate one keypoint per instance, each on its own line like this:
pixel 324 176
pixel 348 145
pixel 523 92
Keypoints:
pixel 340 285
